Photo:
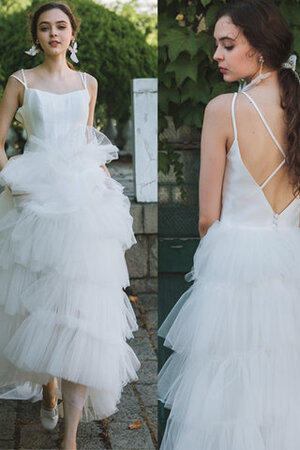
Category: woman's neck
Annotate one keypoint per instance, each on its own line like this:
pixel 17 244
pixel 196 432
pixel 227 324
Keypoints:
pixel 57 65
pixel 266 77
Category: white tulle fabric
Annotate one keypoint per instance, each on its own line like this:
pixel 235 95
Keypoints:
pixel 63 311
pixel 233 380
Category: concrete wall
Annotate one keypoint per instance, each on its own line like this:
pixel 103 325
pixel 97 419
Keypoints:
pixel 142 257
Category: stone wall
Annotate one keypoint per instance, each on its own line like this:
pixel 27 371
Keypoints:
pixel 142 257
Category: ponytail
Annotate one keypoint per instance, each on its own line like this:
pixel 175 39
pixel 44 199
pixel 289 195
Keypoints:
pixel 290 98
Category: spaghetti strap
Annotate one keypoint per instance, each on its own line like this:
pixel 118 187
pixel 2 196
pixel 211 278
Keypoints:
pixel 19 79
pixel 233 115
pixel 265 123
pixel 272 175
pixel 262 186
pixel 83 78
pixel 24 78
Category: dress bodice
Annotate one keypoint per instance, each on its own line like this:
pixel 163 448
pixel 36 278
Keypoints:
pixel 47 115
pixel 243 201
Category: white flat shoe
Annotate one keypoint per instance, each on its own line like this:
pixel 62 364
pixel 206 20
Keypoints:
pixel 49 417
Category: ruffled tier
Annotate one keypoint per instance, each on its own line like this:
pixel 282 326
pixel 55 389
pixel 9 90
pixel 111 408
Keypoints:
pixel 63 310
pixel 233 381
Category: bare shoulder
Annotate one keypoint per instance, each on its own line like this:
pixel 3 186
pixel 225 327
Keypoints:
pixel 218 115
pixel 17 74
pixel 92 82
pixel 14 85
pixel 219 105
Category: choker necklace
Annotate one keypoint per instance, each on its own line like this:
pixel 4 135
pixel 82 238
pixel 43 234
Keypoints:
pixel 244 86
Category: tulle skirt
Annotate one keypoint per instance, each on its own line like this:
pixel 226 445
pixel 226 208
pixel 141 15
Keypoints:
pixel 63 309
pixel 233 380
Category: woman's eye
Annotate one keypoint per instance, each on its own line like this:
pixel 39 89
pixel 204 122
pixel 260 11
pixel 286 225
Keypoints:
pixel 61 27
pixel 43 29
pixel 229 47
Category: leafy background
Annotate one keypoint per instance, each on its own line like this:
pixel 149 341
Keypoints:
pixel 188 78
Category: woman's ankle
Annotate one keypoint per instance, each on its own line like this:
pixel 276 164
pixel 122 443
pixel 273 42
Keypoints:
pixel 49 399
pixel 68 444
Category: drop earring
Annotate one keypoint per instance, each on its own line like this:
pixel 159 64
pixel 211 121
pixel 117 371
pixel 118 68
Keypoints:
pixel 73 50
pixel 261 62
pixel 34 50
pixel 261 76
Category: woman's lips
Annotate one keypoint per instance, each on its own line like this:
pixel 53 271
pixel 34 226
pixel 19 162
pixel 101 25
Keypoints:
pixel 222 70
pixel 54 44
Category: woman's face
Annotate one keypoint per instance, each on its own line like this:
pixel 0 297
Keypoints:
pixel 54 32
pixel 234 55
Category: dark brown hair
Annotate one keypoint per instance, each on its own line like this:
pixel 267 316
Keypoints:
pixel 266 31
pixel 75 22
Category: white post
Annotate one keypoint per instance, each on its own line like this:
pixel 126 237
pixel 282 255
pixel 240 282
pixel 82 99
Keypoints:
pixel 144 112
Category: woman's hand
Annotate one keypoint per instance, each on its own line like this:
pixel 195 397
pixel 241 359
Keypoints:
pixel 106 170
pixel 3 158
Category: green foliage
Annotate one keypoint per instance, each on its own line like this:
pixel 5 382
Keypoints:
pixel 109 47
pixel 168 158
pixel 146 22
pixel 188 78
pixel 10 6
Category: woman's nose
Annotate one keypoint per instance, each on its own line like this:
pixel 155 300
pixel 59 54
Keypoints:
pixel 53 32
pixel 218 54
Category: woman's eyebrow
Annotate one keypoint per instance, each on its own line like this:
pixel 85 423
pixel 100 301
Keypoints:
pixel 224 38
pixel 59 21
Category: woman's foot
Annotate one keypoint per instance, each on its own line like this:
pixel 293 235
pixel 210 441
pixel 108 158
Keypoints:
pixel 49 409
pixel 49 417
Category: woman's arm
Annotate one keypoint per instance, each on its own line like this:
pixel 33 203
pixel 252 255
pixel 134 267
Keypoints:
pixel 92 85
pixel 9 104
pixel 215 135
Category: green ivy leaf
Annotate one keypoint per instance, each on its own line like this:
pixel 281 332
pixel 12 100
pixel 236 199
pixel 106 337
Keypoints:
pixel 165 79
pixel 211 13
pixel 290 12
pixel 167 95
pixel 205 2
pixel 205 43
pixel 162 123
pixel 184 67
pixel 179 40
pixel 191 116
pixel 195 92
pixel 219 89
pixel 296 41
pixel 163 163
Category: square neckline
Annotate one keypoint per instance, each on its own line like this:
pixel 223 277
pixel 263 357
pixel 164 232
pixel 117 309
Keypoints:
pixel 24 82
pixel 49 93
pixel 55 93
pixel 26 88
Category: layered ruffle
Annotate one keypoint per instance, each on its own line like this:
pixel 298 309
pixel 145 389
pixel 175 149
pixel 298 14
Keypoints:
pixel 233 381
pixel 63 310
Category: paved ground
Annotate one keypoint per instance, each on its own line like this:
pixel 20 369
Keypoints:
pixel 19 420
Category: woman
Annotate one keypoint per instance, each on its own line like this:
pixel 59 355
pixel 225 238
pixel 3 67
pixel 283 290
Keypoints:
pixel 64 315
pixel 233 381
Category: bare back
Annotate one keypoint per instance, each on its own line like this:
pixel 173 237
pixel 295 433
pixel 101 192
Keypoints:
pixel 261 135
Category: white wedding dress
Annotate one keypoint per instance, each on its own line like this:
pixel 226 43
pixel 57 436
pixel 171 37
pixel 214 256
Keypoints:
pixel 233 381
pixel 63 310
